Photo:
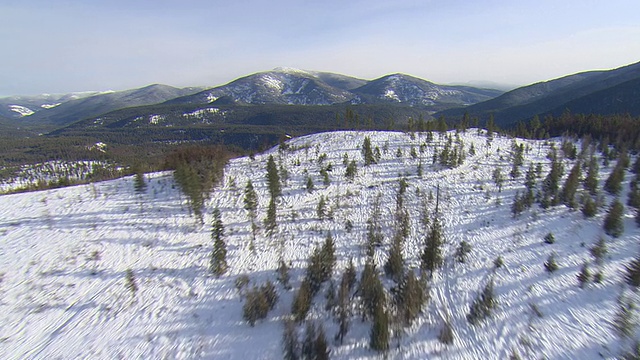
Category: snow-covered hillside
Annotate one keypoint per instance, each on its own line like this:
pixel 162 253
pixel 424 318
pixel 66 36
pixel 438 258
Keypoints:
pixel 64 256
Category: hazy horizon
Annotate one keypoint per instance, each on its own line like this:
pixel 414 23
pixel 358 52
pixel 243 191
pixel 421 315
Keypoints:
pixel 76 46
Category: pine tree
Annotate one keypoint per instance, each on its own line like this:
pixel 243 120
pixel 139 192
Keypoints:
pixel 584 276
pixel 613 184
pixel 270 221
pixel 218 264
pixel 624 322
pixel 302 301
pixel 367 152
pixel 343 307
pixel 290 345
pixel 432 254
pixel 273 178
pixel 379 337
pixel 253 307
pixel 370 289
pixel 410 297
pixel 250 199
pixel 591 180
pixel 308 345
pixel 130 282
pixel 550 265
pixel 350 275
pixel 483 305
pixel 570 187
pixel 589 207
pixel 309 184
pixel 139 183
pixel 498 178
pixel 351 171
pixel 550 185
pixel 394 267
pixel 283 275
pixel 462 251
pixel 632 272
pixel 320 348
pixel 530 185
pixel 321 209
pixel 599 251
pixel 613 225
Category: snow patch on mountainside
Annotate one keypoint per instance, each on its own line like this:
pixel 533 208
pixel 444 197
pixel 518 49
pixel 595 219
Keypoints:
pixel 22 110
pixel 49 106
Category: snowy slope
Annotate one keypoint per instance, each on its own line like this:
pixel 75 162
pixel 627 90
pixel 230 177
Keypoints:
pixel 64 254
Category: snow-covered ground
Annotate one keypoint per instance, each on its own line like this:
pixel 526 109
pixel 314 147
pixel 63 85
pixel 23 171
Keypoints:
pixel 64 254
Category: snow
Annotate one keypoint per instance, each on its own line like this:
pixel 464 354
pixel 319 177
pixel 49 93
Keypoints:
pixel 272 82
pixel 389 93
pixel 64 254
pixel 49 106
pixel 155 119
pixel 22 110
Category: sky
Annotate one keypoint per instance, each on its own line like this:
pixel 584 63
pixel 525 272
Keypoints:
pixel 65 46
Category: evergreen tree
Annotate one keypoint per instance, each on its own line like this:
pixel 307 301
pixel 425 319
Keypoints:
pixel 273 178
pixel 584 276
pixel 367 152
pixel 517 159
pixel 321 210
pixel 550 184
pixel 218 264
pixel 320 347
pixel 350 275
pixel 613 184
pixel 351 170
pixel 570 187
pixel 370 289
pixel 250 199
pixel 591 180
pixel 530 185
pixel 482 305
pixel 599 250
pixel 498 178
pixel 139 183
pixel 343 312
pixel 589 207
pixel 624 322
pixel 302 301
pixel 394 267
pixel 462 251
pixel 410 297
pixel 379 337
pixel 550 265
pixel 309 184
pixel 632 272
pixel 130 282
pixel 283 275
pixel 613 225
pixel 432 254
pixel 255 306
pixel 308 345
pixel 290 345
pixel 270 221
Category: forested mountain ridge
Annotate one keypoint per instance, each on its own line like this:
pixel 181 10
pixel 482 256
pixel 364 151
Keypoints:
pixel 579 93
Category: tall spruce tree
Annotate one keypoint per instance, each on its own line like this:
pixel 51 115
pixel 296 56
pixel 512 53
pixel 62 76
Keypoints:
pixel 568 194
pixel 218 264
pixel 432 258
pixel 273 178
pixel 613 224
pixel 367 152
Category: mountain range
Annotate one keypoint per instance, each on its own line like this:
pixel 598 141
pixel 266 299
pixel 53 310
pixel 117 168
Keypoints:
pixel 268 95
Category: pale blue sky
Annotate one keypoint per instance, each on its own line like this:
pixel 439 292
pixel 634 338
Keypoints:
pixel 63 46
